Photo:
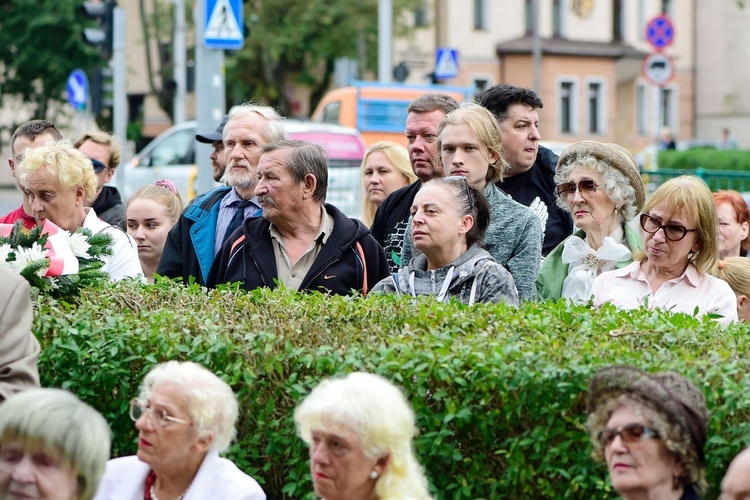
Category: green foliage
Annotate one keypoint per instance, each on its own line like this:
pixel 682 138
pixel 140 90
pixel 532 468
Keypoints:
pixel 40 43
pixel 499 392
pixel 708 159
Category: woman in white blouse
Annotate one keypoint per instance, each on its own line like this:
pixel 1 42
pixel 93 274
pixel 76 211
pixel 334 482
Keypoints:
pixel 600 185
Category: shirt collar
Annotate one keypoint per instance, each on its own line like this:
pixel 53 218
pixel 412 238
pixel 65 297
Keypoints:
pixel 324 230
pixel 232 197
pixel 691 274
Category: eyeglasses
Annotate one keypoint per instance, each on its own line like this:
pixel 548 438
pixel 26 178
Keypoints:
pixel 584 186
pixel 466 186
pixel 159 416
pixel 673 232
pixel 98 166
pixel 628 434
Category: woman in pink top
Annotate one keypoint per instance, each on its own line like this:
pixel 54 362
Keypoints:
pixel 681 246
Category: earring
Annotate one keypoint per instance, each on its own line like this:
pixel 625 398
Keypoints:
pixel 373 474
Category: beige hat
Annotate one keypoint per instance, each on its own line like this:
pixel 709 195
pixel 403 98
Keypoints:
pixel 614 155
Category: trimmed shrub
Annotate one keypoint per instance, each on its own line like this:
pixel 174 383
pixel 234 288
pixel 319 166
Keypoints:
pixel 707 159
pixel 499 392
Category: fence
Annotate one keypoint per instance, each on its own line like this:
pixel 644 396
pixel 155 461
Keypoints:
pixel 716 179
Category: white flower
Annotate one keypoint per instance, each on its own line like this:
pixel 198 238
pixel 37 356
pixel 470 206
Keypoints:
pixel 5 251
pixel 27 256
pixel 79 244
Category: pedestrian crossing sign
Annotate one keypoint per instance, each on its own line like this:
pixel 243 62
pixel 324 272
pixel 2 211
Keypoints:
pixel 446 63
pixel 224 26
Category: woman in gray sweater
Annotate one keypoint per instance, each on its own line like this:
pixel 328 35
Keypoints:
pixel 470 145
pixel 449 220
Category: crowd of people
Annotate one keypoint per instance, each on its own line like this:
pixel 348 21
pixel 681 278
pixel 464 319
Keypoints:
pixel 473 209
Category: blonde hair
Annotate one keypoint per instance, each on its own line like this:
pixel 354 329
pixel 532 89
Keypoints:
pixel 212 405
pixel 398 157
pixel 736 272
pixel 485 126
pixel 69 165
pixel 691 195
pixel 56 422
pixel 160 194
pixel 106 139
pixel 380 417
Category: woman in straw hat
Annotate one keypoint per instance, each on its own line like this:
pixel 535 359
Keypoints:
pixel 600 185
pixel 681 239
pixel 650 430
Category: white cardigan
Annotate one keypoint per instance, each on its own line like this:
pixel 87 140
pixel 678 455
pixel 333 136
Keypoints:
pixel 125 479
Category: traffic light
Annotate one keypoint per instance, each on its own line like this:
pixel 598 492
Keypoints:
pixel 101 89
pixel 102 35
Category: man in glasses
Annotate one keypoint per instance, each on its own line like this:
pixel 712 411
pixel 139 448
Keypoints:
pixel 104 152
pixel 30 135
pixel 530 178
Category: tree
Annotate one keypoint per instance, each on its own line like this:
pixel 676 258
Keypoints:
pixel 297 42
pixel 40 43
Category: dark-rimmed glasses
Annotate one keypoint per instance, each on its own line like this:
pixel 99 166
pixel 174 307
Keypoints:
pixel 673 232
pixel 159 416
pixel 628 434
pixel 584 186
pixel 98 166
pixel 466 185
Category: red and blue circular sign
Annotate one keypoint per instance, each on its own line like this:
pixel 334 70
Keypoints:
pixel 660 32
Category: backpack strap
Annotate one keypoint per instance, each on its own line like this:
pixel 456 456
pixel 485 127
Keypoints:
pixel 364 268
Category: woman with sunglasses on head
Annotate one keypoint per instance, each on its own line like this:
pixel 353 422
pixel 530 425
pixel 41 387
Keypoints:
pixel 185 417
pixel 470 146
pixel 681 240
pixel 650 429
pixel 600 185
pixel 448 222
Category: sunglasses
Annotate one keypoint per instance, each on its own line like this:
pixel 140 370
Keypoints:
pixel 628 434
pixel 98 166
pixel 466 186
pixel 673 232
pixel 584 186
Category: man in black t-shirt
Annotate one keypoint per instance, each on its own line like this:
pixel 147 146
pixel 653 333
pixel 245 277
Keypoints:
pixel 389 227
pixel 530 178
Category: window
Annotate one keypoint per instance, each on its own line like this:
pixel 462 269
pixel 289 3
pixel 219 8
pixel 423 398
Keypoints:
pixel 597 104
pixel 529 12
pixel 331 112
pixel 641 109
pixel 567 104
pixel 421 19
pixel 480 14
pixel 617 20
pixel 556 18
pixel 642 21
pixel 666 7
pixel 175 149
pixel 667 108
pixel 481 83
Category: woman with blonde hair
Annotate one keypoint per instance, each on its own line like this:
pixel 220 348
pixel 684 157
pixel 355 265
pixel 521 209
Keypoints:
pixel 151 213
pixel 736 272
pixel 359 429
pixel 385 168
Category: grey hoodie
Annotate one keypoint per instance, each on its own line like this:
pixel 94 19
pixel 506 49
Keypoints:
pixel 493 282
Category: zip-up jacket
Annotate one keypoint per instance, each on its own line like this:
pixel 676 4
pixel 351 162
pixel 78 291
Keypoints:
pixel 350 260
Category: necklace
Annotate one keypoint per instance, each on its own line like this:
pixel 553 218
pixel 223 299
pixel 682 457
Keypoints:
pixel 150 493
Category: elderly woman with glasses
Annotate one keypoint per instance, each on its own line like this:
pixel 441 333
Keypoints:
pixel 681 239
pixel 448 222
pixel 52 445
pixel 185 417
pixel 650 429
pixel 600 185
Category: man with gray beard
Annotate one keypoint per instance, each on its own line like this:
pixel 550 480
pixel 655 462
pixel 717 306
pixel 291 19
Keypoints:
pixel 203 227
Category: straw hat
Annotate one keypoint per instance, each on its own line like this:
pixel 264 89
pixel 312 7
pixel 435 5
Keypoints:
pixel 615 156
pixel 670 394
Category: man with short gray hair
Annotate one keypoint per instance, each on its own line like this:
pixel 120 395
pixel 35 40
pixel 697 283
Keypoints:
pixel 301 241
pixel 196 239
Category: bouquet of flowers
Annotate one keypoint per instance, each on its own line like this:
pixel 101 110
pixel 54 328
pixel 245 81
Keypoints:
pixel 53 260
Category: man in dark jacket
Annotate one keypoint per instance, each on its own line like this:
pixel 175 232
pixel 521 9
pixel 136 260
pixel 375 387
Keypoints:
pixel 104 152
pixel 530 178
pixel 194 242
pixel 301 242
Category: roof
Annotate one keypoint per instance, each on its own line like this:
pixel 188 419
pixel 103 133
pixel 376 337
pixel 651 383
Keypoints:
pixel 565 47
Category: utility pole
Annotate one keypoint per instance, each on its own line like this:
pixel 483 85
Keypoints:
pixel 179 58
pixel 385 40
pixel 536 47
pixel 119 90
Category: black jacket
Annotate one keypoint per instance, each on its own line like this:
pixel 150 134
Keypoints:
pixel 109 207
pixel 391 220
pixel 189 249
pixel 248 257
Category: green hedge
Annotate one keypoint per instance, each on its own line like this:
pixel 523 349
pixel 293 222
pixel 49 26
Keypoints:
pixel 499 392
pixel 708 159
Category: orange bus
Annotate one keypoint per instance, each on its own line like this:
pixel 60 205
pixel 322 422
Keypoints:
pixel 378 110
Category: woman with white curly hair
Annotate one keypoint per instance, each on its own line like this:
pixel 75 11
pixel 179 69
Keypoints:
pixel 185 416
pixel 360 429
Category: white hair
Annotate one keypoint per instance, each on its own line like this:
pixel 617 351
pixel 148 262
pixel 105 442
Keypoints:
pixel 273 130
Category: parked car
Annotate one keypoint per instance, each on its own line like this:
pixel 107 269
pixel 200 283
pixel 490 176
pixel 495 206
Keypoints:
pixel 171 155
